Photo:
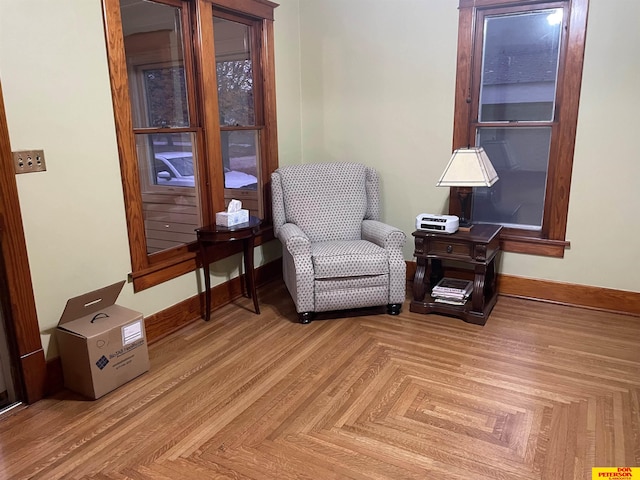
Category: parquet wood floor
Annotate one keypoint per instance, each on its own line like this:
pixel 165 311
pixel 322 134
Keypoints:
pixel 540 392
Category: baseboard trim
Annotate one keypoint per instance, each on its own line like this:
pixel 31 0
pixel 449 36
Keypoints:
pixel 172 319
pixel 585 296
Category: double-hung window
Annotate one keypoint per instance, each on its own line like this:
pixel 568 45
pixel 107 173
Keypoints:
pixel 194 103
pixel 517 94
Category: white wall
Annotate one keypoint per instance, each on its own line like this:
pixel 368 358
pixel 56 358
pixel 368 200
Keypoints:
pixel 364 80
pixel 378 87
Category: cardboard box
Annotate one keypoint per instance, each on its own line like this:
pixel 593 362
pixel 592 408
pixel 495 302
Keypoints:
pixel 227 219
pixel 102 345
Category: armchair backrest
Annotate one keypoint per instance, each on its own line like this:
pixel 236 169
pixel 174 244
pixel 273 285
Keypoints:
pixel 328 201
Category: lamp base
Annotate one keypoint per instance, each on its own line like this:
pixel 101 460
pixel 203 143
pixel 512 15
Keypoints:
pixel 465 196
pixel 464 224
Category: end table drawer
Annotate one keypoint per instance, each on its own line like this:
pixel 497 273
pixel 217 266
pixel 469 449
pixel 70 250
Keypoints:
pixel 455 249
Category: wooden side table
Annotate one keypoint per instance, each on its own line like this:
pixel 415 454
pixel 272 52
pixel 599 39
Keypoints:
pixel 477 248
pixel 215 234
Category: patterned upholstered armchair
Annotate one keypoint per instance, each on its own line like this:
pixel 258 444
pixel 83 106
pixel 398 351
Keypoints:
pixel 336 254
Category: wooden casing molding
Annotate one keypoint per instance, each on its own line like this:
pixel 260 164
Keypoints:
pixel 584 296
pixel 20 313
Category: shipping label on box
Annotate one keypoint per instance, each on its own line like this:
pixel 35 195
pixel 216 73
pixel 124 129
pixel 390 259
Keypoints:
pixel 102 345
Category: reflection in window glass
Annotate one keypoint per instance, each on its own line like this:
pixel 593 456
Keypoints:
pixel 166 93
pixel 170 201
pixel 520 66
pixel 239 119
pixel 240 159
pixel 166 159
pixel 155 63
pixel 520 157
pixel 234 73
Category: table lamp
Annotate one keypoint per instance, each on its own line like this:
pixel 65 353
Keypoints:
pixel 469 167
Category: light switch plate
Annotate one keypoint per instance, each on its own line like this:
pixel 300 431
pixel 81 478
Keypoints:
pixel 26 161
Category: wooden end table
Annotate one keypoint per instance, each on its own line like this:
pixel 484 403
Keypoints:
pixel 477 248
pixel 215 234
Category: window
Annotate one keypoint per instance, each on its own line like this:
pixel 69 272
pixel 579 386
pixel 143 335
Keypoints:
pixel 517 94
pixel 241 118
pixel 186 149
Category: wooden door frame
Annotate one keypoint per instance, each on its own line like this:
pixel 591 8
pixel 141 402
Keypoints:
pixel 23 330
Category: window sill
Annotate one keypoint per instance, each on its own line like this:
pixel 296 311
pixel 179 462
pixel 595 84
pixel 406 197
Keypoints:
pixel 518 241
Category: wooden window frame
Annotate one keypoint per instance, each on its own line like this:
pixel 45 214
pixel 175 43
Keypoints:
pixel 149 270
pixel 551 240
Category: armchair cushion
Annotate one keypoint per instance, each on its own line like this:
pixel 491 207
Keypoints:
pixel 327 201
pixel 350 258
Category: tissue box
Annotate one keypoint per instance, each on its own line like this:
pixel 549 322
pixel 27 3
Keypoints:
pixel 229 219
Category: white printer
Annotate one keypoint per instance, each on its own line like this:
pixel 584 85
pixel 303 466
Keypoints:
pixel 437 223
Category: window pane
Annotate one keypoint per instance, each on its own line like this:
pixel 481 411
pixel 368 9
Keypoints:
pixel 240 159
pixel 165 92
pixel 520 157
pixel 167 183
pixel 236 103
pixel 155 64
pixel 520 66
pixel 234 73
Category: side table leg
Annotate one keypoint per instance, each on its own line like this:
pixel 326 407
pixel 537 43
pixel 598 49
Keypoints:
pixel 418 279
pixel 249 273
pixel 207 282
pixel 477 297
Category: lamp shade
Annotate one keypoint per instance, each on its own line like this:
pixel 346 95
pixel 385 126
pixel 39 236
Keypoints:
pixel 468 167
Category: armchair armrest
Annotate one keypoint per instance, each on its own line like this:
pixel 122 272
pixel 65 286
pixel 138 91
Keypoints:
pixel 392 240
pixel 383 235
pixel 294 240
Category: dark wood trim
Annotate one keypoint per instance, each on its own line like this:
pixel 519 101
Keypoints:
pixel 212 162
pixel 116 58
pixel 255 8
pixel 21 316
pixel 564 127
pixel 497 3
pixel 34 371
pixel 151 270
pixel 583 296
pixel 568 98
pixel 520 243
pixel 462 99
pixel 54 381
pixel 270 163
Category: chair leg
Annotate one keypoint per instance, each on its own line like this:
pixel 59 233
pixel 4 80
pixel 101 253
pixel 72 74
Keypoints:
pixel 394 308
pixel 305 317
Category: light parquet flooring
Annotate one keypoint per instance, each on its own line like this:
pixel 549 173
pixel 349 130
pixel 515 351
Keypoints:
pixel 540 392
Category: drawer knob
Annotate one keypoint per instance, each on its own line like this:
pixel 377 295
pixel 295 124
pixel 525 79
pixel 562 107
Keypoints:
pixel 449 249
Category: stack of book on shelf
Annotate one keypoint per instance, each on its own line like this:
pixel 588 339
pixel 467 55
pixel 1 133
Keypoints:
pixel 452 291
